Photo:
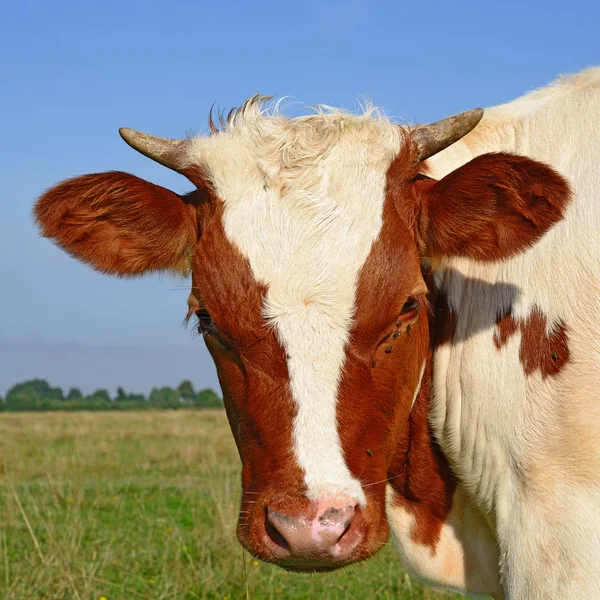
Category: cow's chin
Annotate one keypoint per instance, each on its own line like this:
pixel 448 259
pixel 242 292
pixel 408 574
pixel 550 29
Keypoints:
pixel 312 537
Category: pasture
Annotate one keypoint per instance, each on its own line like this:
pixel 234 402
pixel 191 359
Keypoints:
pixel 144 505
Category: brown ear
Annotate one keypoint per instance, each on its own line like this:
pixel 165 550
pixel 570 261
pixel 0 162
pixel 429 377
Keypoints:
pixel 494 207
pixel 119 224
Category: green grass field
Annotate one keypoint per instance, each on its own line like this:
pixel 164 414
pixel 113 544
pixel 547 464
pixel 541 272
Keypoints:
pixel 143 505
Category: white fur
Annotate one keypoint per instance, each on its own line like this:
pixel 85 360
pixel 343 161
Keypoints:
pixel 303 202
pixel 526 448
pixel 465 557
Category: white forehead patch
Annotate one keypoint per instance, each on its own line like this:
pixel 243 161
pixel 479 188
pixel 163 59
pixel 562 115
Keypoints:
pixel 303 202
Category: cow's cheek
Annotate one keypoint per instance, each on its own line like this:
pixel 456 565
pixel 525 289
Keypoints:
pixel 233 382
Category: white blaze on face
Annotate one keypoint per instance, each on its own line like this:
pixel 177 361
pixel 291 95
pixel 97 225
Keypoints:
pixel 303 202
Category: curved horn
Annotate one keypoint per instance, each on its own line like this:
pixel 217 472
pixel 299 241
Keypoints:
pixel 431 139
pixel 167 152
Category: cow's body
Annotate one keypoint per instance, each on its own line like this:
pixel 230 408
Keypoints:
pixel 516 392
pixel 305 238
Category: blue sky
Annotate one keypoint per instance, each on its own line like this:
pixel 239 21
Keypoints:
pixel 72 73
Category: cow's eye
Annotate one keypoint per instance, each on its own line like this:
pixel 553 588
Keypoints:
pixel 205 323
pixel 409 306
pixel 207 327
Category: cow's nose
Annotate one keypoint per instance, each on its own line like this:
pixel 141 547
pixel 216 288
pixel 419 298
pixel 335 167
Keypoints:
pixel 328 536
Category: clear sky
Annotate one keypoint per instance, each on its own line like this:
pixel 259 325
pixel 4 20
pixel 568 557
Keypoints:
pixel 72 73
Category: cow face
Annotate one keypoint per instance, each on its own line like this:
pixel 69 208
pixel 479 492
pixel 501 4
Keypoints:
pixel 304 238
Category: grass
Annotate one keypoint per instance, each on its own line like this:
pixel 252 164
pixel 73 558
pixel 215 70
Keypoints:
pixel 144 505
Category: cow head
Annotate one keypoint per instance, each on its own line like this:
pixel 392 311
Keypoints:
pixel 305 240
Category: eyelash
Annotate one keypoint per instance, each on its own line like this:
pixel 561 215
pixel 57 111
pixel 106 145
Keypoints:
pixel 205 322
pixel 207 328
pixel 410 305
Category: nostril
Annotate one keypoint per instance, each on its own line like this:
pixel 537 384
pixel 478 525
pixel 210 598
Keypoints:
pixel 274 533
pixel 346 530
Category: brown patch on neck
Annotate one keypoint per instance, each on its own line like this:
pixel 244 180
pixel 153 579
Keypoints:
pixel 430 484
pixel 540 351
pixel 420 474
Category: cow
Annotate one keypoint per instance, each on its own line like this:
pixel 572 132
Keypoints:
pixel 405 322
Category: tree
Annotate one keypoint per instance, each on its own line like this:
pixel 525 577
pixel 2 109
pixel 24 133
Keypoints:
pixel 39 395
pixel 99 396
pixel 38 388
pixel 24 399
pixel 98 400
pixel 74 394
pixel 208 399
pixel 164 397
pixel 186 391
pixel 126 401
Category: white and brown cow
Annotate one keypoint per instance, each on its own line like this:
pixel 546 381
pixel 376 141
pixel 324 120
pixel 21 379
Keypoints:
pixel 401 338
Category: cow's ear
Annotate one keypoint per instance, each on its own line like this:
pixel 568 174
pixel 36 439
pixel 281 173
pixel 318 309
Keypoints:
pixel 491 208
pixel 119 224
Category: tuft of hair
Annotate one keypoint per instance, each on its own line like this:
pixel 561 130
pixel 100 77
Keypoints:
pixel 259 106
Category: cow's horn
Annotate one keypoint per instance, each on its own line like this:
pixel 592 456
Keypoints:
pixel 167 152
pixel 430 139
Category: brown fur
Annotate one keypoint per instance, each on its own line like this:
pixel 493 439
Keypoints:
pixel 119 224
pixel 540 351
pixel 419 473
pixel 493 207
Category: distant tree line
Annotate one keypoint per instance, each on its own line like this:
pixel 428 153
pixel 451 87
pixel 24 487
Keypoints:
pixel 39 395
